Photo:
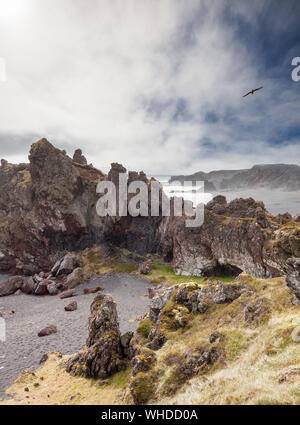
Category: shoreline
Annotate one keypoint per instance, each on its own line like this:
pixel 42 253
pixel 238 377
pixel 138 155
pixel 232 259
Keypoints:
pixel 23 349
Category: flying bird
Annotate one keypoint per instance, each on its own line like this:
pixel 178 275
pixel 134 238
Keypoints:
pixel 252 91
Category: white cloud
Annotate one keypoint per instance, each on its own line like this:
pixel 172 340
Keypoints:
pixel 82 73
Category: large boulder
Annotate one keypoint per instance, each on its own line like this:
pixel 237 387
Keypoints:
pixel 74 279
pixel 52 288
pixel 102 355
pixel 42 287
pixel 10 286
pixel 28 286
pixel 67 265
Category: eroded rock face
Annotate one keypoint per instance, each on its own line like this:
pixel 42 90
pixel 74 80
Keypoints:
pixel 238 236
pixel 138 234
pixel 293 278
pixel 102 355
pixel 79 158
pixel 46 207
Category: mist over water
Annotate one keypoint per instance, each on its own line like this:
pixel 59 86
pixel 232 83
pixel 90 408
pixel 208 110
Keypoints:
pixel 276 201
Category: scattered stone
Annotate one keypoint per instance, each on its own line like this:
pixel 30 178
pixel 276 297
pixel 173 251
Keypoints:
pixel 36 384
pixel 28 286
pixel 87 291
pixel 152 292
pixel 41 288
pixel 44 359
pixel 72 306
pixel 101 384
pixel 67 265
pixel 67 294
pixel 55 268
pixel 74 279
pixel 8 313
pixel 11 286
pixel 146 267
pixel 26 389
pixel 72 397
pixel 48 330
pixel 215 336
pixel 52 288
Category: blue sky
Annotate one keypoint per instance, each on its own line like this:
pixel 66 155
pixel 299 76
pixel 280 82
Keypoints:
pixel 155 85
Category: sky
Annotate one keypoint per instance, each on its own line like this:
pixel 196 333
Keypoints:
pixel 156 85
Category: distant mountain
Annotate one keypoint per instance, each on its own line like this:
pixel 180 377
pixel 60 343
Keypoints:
pixel 271 176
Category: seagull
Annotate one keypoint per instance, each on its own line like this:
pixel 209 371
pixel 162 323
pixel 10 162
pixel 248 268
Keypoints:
pixel 252 91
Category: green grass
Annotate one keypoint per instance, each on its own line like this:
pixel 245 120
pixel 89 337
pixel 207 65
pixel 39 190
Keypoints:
pixel 120 379
pixel 163 272
pixel 291 225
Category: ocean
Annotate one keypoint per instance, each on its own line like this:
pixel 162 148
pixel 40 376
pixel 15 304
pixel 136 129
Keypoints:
pixel 276 201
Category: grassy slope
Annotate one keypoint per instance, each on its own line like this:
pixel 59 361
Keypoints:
pixel 260 362
pixel 51 384
pixel 95 262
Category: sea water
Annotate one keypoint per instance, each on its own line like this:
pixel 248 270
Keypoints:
pixel 276 201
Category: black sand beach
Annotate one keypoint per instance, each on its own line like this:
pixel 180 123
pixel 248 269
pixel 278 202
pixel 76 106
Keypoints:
pixel 23 349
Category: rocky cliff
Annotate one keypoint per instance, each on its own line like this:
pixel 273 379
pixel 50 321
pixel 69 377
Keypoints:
pixel 270 176
pixel 48 207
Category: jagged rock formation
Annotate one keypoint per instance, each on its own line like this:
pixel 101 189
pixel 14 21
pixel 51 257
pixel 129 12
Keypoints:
pixel 273 176
pixel 134 233
pixel 103 354
pixel 48 207
pixel 79 158
pixel 236 236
